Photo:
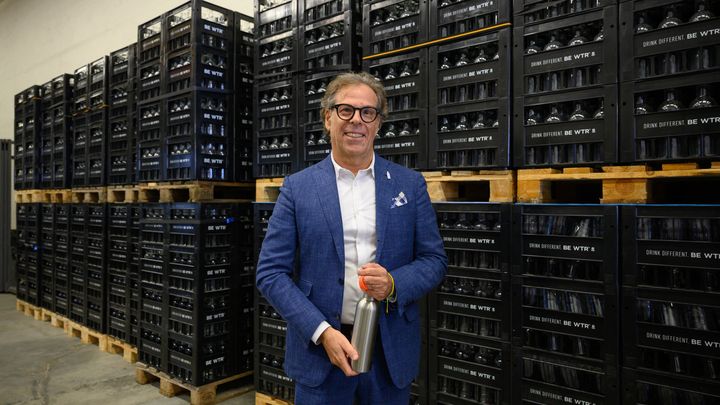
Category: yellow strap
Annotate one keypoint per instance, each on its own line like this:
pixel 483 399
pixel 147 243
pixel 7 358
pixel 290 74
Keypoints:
pixel 392 290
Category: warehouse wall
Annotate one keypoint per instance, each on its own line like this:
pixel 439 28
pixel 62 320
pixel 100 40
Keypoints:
pixel 41 39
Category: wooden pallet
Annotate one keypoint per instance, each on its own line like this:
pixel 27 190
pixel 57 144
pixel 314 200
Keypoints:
pixel 29 309
pixel 484 185
pixel 613 184
pixel 268 190
pixel 123 194
pixel 89 195
pixel 55 320
pixel 203 395
pixel 195 191
pixel 57 196
pixel 117 346
pixel 264 399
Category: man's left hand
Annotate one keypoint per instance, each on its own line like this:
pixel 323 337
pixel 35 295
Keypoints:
pixel 377 279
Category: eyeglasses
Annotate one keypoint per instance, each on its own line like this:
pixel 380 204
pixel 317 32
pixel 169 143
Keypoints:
pixel 346 112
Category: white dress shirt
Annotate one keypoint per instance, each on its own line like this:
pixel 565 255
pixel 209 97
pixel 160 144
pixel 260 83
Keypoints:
pixel 357 207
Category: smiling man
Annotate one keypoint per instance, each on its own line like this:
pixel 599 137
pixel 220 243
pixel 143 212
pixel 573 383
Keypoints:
pixel 352 215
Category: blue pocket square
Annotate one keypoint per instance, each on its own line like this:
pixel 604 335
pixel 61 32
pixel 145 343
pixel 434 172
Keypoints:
pixel 399 201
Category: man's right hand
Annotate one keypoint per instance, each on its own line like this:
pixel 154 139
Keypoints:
pixel 339 350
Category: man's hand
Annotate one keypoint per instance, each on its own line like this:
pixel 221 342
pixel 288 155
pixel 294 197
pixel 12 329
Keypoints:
pixel 377 279
pixel 339 350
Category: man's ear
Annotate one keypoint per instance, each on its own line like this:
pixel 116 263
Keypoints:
pixel 326 120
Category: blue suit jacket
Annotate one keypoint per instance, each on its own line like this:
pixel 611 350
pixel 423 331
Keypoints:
pixel 307 220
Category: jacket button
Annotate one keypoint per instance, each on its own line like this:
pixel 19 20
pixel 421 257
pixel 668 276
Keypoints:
pixel 340 281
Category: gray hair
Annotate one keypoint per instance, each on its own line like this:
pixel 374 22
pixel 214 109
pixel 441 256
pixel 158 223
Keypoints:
pixel 353 78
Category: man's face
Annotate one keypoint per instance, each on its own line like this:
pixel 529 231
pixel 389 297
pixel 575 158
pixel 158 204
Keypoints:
pixel 353 140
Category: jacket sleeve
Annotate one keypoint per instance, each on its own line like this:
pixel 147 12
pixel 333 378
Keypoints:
pixel 276 264
pixel 426 271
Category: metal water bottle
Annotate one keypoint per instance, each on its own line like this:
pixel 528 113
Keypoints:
pixel 364 330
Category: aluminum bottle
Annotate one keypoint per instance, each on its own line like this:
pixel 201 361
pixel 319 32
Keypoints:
pixel 364 331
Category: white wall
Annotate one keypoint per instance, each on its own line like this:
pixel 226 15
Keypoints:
pixel 41 39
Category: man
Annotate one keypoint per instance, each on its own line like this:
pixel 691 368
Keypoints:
pixel 351 215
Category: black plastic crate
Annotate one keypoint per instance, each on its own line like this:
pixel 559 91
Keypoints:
pixel 394 24
pixel 123 64
pixel 149 161
pixel 403 137
pixel 465 370
pixel 150 45
pixel 199 68
pixel 571 53
pixel 274 17
pixel 63 88
pixel 528 12
pixel 458 17
pixel 656 388
pixel 275 135
pixel 470 125
pixel 99 78
pixel 316 142
pixel 567 129
pixel 150 81
pixel 276 56
pixel 671 119
pixel 199 22
pixel 669 38
pixel 331 40
pixel 197 143
pixel 150 120
pixel 548 379
pixel 81 103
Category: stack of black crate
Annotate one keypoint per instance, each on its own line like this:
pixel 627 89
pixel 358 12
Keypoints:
pixel 97 141
pixel 244 72
pixel 121 128
pixel 565 303
pixel 469 314
pixel 28 110
pixel 96 269
pixel 470 86
pixel 276 118
pixel 330 34
pixel 118 270
pixel 196 289
pixel 61 254
pixel 46 246
pixel 389 26
pixel 56 132
pixel 77 263
pixel 565 79
pixel 669 70
pixel 29 253
pixel 270 328
pixel 133 277
pixel 80 130
pixel 671 316
pixel 187 61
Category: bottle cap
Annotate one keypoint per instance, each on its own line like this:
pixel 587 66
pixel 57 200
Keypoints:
pixel 361 282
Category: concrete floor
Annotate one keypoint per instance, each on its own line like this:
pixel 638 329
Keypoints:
pixel 41 365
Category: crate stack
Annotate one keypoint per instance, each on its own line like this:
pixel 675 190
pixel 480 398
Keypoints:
pixel 196 289
pixel 80 130
pixel 121 139
pixel 45 142
pixel 96 267
pixel 330 34
pixel 671 316
pixel 244 102
pixel 61 255
pixel 29 253
pixel 670 87
pixel 276 66
pixel 470 87
pixel 565 304
pixel 77 263
pixel 565 83
pixel 46 246
pixel 469 313
pixel 270 328
pixel 186 95
pixel 389 26
pixel 28 116
pixel 118 271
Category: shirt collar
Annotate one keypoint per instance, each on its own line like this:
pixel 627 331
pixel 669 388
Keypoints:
pixel 339 169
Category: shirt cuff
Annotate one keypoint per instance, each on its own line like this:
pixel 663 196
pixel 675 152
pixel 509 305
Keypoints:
pixel 319 331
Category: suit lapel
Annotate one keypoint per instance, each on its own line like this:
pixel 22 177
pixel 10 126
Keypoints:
pixel 329 201
pixel 384 187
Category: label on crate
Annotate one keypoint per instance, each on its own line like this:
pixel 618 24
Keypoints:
pixel 485 71
pixel 212 362
pixel 213 73
pixel 118 256
pixel 273 326
pixel 565 132
pixel 269 156
pixel 472 306
pixel 275 375
pixel 276 61
pixel 563 246
pixel 564 58
pixel 563 397
pixel 148 347
pixel 151 307
pixel 151 163
pixel 395 146
pixel 180 359
pixel 697 342
pixel 215 317
pixel 214 29
pixel 146 124
pixel 179 161
pixel 322 49
pixel 213 117
pixel 403 26
pixel 321 152
pixel 472 239
pixel 465 10
pixel 674 123
pixel 180 117
pixel 685 36
pixel 406 86
pixel 699 254
pixel 469 371
pixel 563 322
pixel 150 83
pixel 145 45
pixel 275 108
pixel 217 228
